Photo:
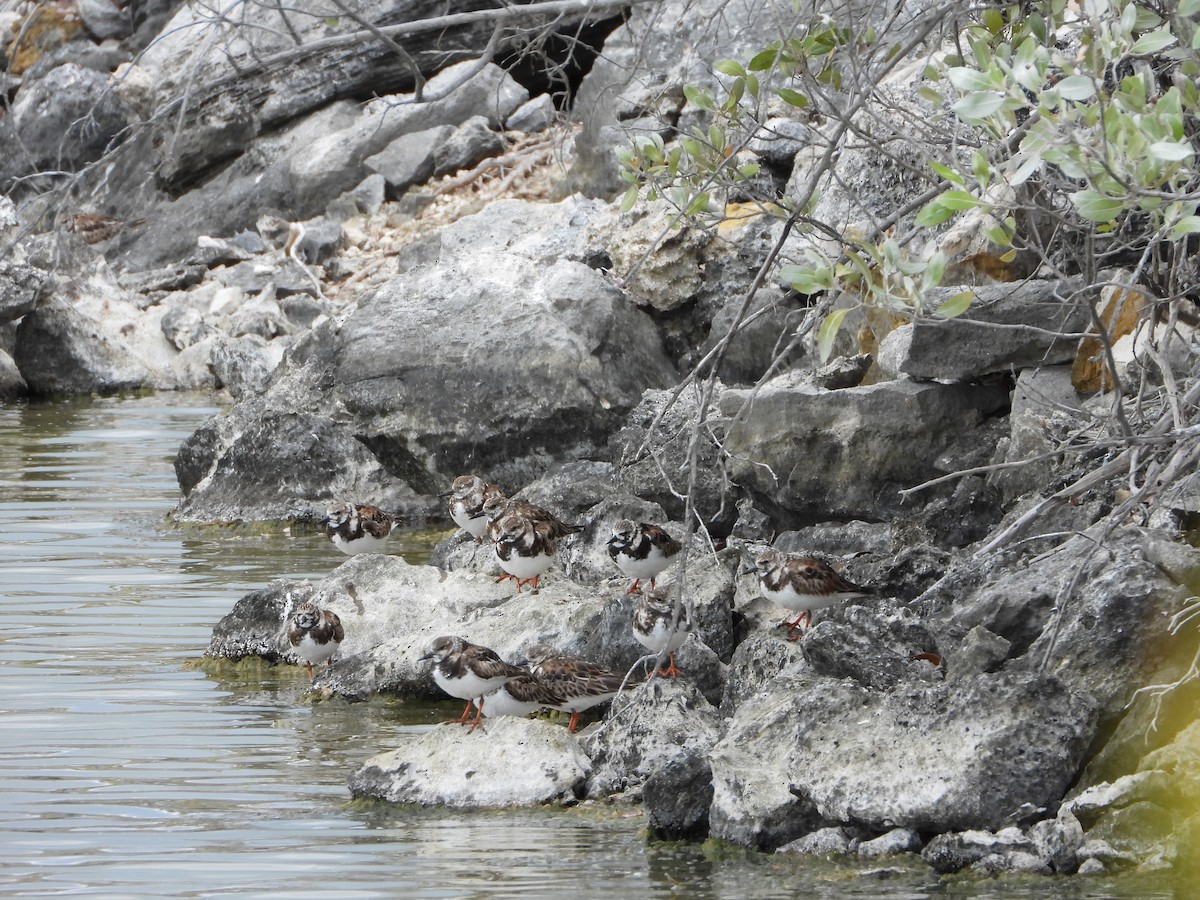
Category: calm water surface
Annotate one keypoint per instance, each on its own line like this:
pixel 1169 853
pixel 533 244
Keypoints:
pixel 125 770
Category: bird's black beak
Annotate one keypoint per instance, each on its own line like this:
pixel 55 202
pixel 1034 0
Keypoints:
pixel 747 567
pixel 446 493
pixel 425 656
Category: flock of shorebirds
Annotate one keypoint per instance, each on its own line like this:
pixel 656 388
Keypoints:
pixel 524 539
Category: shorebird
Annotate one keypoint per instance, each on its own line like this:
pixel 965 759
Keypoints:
pixel 467 496
pixel 578 683
pixel 652 627
pixel 802 584
pixel 470 672
pixel 358 529
pixel 525 538
pixel 315 633
pixel 641 551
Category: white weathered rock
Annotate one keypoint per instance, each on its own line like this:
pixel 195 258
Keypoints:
pixel 506 762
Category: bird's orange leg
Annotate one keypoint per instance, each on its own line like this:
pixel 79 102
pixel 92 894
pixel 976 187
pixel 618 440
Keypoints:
pixel 463 719
pixel 308 666
pixel 671 671
pixel 633 588
pixel 478 720
pixel 574 723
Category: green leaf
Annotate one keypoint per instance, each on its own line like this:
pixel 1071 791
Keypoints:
pixel 763 60
pixel 925 92
pixel 966 79
pixel 749 170
pixel 959 200
pixel 1095 207
pixel 992 20
pixel 932 276
pixel 829 330
pixel 1185 226
pixel 699 203
pixel 1031 164
pixel 932 214
pixel 978 105
pixel 1076 87
pixel 629 199
pixel 1171 151
pixel 792 98
pixel 955 306
pixel 1153 41
pixel 730 67
pixel 1188 8
pixel 697 97
pixel 807 279
pixel 948 173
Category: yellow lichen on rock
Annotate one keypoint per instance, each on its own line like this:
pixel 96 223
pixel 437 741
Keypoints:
pixel 45 29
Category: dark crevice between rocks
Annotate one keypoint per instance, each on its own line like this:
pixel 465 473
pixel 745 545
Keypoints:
pixel 393 454
pixel 556 62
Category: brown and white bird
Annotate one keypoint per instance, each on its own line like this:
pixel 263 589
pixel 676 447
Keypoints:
pixel 357 529
pixel 641 550
pixel 520 697
pixel 92 229
pixel 578 683
pixel 467 496
pixel 652 627
pixel 803 584
pixel 525 538
pixel 315 633
pixel 470 672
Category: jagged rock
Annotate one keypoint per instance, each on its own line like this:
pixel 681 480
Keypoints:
pixel 285 274
pixel 953 851
pixel 423 373
pixel 898 840
pixel 20 287
pixel 1057 841
pixel 804 753
pixel 184 325
pixel 1041 417
pixel 822 842
pixel 12 385
pixel 105 19
pixel 243 365
pixel 506 762
pixel 677 797
pixel 535 114
pixel 971 346
pixel 410 158
pixel 395 610
pixel 646 459
pixel 67 118
pixel 758 660
pixel 869 644
pixel 61 350
pixel 466 145
pixel 292 463
pixel 660 726
pixel 794 440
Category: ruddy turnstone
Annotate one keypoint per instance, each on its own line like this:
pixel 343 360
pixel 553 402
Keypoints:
pixel 652 627
pixel 525 538
pixel 92 229
pixel 641 551
pixel 802 584
pixel 578 683
pixel 468 494
pixel 520 697
pixel 358 529
pixel 469 672
pixel 315 633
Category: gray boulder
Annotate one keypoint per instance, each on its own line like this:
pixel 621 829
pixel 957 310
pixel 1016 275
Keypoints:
pixel 791 441
pixel 20 287
pixel 677 798
pixel 1007 327
pixel 12 385
pixel 410 158
pixel 67 118
pixel 506 762
pixel 424 376
pixel 806 752
pixel 59 350
pixel 663 725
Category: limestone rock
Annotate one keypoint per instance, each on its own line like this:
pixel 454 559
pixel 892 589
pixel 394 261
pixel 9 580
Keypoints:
pixel 677 797
pixel 20 287
pixel 60 350
pixel 793 440
pixel 659 726
pixel 507 762
pixel 1006 328
pixel 12 385
pixel 67 118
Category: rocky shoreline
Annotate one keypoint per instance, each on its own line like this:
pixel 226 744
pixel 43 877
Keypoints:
pixel 404 275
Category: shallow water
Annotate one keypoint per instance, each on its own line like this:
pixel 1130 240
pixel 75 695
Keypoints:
pixel 127 771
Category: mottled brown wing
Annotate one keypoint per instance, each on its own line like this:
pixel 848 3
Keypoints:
pixel 659 537
pixel 486 663
pixel 375 521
